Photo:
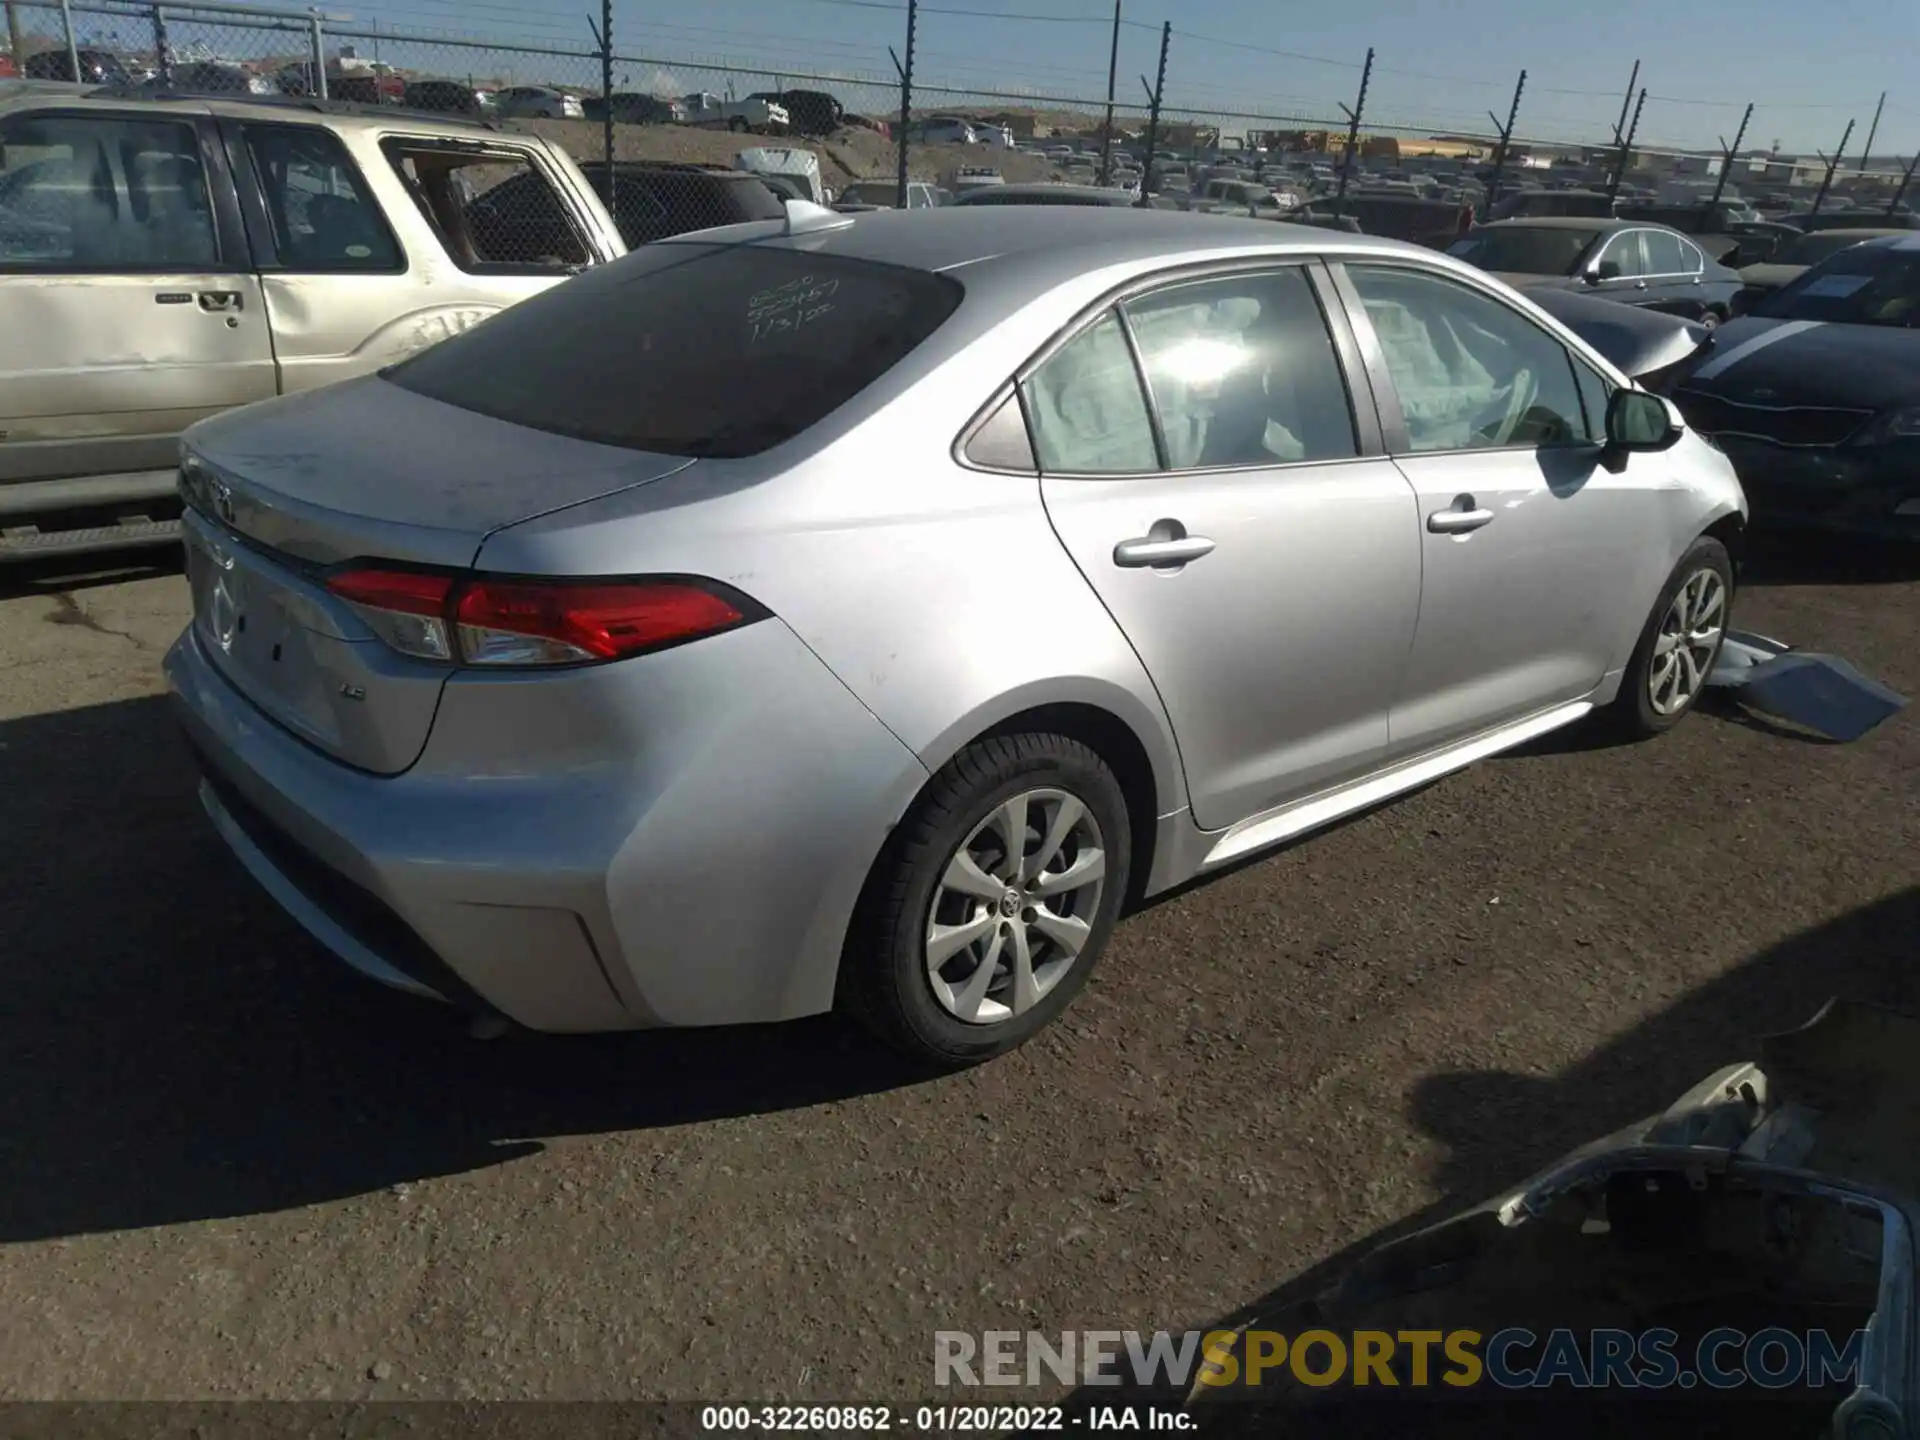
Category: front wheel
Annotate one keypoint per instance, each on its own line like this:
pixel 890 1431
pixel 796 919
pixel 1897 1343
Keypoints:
pixel 992 901
pixel 1680 643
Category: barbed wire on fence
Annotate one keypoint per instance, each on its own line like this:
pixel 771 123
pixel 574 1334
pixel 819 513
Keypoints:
pixel 661 107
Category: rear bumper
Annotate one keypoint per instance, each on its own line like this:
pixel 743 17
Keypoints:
pixel 676 840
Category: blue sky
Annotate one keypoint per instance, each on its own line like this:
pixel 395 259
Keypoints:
pixel 1808 66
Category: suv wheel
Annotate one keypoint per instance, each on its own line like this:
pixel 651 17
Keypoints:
pixel 992 902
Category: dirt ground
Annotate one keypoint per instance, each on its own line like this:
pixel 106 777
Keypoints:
pixel 850 155
pixel 231 1169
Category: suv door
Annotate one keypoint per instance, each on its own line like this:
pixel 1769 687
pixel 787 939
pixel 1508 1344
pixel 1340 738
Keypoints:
pixel 1236 516
pixel 1531 549
pixel 372 250
pixel 127 306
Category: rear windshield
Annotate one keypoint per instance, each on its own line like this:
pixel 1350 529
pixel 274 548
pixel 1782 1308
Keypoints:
pixel 686 349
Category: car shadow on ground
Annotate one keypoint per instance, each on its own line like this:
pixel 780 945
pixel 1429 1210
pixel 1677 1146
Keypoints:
pixel 173 1048
pixel 1500 1128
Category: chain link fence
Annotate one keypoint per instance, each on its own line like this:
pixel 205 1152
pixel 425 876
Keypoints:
pixel 676 145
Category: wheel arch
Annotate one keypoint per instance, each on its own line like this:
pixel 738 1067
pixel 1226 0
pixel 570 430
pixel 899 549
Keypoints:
pixel 1730 530
pixel 1133 738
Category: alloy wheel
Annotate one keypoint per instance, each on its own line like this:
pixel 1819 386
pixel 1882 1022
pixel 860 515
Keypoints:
pixel 1014 906
pixel 1689 639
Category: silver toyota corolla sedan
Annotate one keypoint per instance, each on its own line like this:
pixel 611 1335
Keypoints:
pixel 859 611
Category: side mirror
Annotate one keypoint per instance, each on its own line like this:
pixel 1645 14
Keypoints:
pixel 1601 270
pixel 1637 421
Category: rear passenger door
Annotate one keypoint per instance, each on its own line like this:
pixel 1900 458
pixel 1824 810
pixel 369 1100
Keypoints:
pixel 370 248
pixel 1204 463
pixel 127 306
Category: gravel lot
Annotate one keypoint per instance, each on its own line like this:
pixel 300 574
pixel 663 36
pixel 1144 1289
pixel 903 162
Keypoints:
pixel 230 1169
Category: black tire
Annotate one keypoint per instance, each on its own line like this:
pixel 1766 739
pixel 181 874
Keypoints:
pixel 1633 711
pixel 884 980
pixel 1711 318
pixel 737 125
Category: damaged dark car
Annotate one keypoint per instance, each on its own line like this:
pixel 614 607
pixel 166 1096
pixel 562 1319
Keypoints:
pixel 1815 395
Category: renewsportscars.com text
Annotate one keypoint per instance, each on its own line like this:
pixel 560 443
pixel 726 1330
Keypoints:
pixel 1511 1359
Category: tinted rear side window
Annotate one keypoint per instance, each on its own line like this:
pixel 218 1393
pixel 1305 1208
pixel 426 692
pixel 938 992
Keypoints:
pixel 702 350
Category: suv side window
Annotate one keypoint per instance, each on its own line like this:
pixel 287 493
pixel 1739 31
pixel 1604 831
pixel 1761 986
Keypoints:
pixel 1470 373
pixel 323 219
pixel 1087 409
pixel 495 212
pixel 1243 371
pixel 104 195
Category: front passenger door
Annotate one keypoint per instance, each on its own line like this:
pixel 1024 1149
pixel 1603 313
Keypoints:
pixel 1242 529
pixel 1531 550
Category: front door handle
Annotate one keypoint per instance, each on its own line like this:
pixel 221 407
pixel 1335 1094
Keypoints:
pixel 1165 546
pixel 219 302
pixel 1463 517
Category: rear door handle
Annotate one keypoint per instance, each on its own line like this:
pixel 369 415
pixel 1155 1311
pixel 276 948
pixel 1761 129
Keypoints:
pixel 219 302
pixel 1165 546
pixel 1463 517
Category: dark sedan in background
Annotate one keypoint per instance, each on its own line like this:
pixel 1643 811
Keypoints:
pixel 1637 264
pixel 1815 395
pixel 1795 258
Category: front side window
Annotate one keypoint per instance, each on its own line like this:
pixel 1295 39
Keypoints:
pixel 1470 373
pixel 104 195
pixel 1664 256
pixel 1086 408
pixel 322 217
pixel 495 213
pixel 1627 254
pixel 1243 372
pixel 687 349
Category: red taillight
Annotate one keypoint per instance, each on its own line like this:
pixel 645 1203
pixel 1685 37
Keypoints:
pixel 404 592
pixel 483 621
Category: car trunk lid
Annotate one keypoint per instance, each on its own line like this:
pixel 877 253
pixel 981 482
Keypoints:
pixel 364 471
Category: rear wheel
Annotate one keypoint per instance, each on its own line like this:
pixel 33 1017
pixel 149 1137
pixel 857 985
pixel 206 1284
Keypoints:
pixel 992 902
pixel 1680 643
pixel 1711 319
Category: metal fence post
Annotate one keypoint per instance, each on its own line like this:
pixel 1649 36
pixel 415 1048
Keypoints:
pixel 603 37
pixel 1900 190
pixel 906 95
pixel 15 39
pixel 1832 165
pixel 73 48
pixel 1866 155
pixel 162 61
pixel 1625 153
pixel 1154 92
pixel 1106 131
pixel 318 43
pixel 1353 136
pixel 1506 141
pixel 1727 155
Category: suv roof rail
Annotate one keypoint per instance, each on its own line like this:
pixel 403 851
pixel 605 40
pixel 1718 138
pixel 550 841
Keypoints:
pixel 296 102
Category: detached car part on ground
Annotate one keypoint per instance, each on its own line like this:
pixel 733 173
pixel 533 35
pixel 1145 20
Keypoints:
pixel 240 249
pixel 878 628
pixel 1776 1195
pixel 1815 394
